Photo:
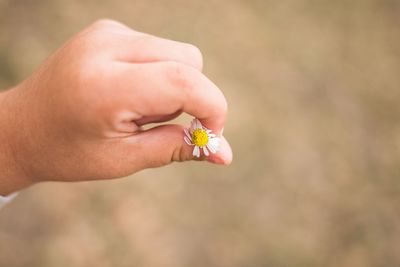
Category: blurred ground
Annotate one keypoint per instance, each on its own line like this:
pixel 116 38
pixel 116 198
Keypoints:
pixel 313 89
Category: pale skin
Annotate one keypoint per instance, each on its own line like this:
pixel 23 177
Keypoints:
pixel 79 115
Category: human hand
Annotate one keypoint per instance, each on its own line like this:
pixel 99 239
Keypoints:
pixel 79 116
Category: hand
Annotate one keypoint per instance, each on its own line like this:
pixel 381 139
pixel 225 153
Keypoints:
pixel 79 116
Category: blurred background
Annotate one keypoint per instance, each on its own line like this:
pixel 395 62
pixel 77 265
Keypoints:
pixel 314 122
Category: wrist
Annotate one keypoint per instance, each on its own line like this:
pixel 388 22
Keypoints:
pixel 12 176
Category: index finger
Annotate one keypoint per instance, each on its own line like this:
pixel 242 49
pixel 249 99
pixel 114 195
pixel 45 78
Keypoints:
pixel 162 88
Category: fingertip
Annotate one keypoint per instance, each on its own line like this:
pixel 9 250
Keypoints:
pixel 224 155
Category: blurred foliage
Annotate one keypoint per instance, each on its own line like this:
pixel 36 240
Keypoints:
pixel 313 88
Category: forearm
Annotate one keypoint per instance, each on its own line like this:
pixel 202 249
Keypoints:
pixel 12 176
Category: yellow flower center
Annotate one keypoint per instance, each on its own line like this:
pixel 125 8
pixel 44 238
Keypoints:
pixel 199 137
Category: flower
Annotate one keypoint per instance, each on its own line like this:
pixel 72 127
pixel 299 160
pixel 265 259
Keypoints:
pixel 201 138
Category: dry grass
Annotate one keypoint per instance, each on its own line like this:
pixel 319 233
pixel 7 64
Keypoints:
pixel 313 88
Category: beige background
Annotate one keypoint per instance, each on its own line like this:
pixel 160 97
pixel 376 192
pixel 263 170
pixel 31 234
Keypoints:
pixel 313 91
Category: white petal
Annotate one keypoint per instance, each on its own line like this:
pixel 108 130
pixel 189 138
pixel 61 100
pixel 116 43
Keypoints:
pixel 212 148
pixel 192 125
pixel 187 133
pixel 187 141
pixel 210 135
pixel 215 141
pixel 196 151
pixel 205 151
pixel 213 145
pixel 198 124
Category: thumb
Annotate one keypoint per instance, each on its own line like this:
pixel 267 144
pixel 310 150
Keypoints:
pixel 164 144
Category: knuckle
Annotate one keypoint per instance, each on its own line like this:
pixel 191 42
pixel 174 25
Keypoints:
pixel 181 75
pixel 195 55
pixel 97 36
pixel 177 155
pixel 104 23
pixel 91 37
pixel 181 154
pixel 100 26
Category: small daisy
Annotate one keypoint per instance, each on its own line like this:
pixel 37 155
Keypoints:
pixel 201 137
